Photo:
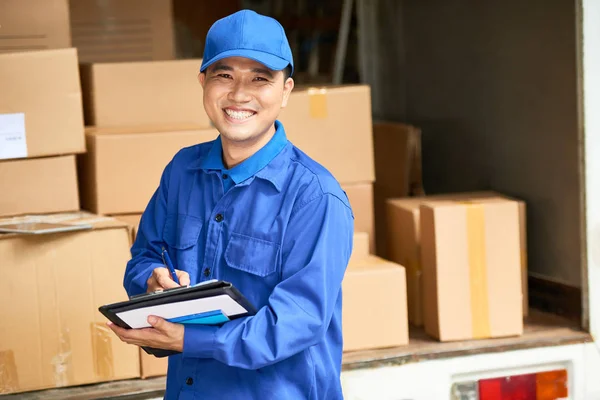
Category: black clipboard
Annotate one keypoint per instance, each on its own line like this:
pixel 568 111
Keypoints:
pixel 175 295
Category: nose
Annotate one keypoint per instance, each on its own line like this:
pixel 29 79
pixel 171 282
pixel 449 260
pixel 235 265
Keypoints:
pixel 239 93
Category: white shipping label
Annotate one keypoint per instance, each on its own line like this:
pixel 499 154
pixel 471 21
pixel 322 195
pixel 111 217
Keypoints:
pixel 13 142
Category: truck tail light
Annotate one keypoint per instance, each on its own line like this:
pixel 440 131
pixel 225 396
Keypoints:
pixel 549 385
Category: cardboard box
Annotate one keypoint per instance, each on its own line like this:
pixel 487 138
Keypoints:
pixel 38 185
pixel 34 25
pixel 398 170
pixel 152 93
pixel 114 182
pixel 333 126
pixel 403 238
pixel 374 311
pixel 40 104
pixel 151 366
pixel 56 336
pixel 133 220
pixel 361 201
pixel 117 30
pixel 403 244
pixel 360 246
pixel 471 257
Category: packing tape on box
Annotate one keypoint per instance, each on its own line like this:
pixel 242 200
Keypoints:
pixel 103 354
pixel 62 362
pixel 317 103
pixel 9 381
pixel 478 271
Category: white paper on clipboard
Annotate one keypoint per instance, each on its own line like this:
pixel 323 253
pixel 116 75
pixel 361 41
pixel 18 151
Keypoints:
pixel 138 318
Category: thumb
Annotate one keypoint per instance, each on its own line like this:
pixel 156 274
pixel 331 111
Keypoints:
pixel 157 323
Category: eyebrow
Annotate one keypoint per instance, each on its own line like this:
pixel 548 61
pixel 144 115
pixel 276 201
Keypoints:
pixel 222 67
pixel 263 71
pixel 225 67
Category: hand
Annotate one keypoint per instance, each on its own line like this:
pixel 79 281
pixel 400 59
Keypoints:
pixel 161 279
pixel 163 334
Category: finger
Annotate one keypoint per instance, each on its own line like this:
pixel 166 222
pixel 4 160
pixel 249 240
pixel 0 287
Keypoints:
pixel 119 332
pixel 160 324
pixel 165 281
pixel 184 277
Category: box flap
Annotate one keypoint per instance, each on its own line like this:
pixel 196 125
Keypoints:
pixel 96 221
pixel 372 263
pixel 144 129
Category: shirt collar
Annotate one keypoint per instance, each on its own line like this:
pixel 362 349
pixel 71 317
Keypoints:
pixel 259 164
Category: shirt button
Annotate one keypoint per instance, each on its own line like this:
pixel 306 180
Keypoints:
pixel 219 217
pixel 225 176
pixel 189 381
pixel 207 272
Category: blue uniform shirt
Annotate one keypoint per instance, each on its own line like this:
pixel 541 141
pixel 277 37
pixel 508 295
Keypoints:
pixel 279 227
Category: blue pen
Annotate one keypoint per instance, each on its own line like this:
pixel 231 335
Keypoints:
pixel 169 264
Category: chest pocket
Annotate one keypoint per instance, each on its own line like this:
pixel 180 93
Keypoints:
pixel 255 256
pixel 181 231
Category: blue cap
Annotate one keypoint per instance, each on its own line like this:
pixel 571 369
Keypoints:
pixel 249 35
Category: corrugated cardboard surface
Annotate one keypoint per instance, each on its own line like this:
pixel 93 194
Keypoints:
pixel 374 313
pixel 143 93
pixel 122 168
pixel 471 269
pixel 151 366
pixel 56 337
pixel 133 220
pixel 38 185
pixel 44 85
pixel 361 201
pixel 403 243
pixel 360 246
pixel 117 30
pixel 333 126
pixel 404 248
pixel 397 170
pixel 34 25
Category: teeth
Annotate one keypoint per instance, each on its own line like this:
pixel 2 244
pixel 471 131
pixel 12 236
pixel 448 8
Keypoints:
pixel 239 114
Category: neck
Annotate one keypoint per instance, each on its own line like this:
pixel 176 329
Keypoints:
pixel 235 153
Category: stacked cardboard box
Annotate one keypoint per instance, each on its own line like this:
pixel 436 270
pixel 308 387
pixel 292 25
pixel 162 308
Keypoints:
pixel 39 117
pixel 150 109
pixel 34 25
pixel 117 30
pixel 41 131
pixel 464 255
pixel 374 313
pixel 316 121
pixel 48 339
pixel 397 170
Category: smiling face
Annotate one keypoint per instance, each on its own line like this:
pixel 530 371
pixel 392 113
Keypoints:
pixel 243 98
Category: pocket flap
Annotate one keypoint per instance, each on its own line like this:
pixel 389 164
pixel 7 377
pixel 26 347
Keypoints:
pixel 252 255
pixel 181 231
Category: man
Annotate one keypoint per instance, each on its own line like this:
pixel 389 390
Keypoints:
pixel 251 209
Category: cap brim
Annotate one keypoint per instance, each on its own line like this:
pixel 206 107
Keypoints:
pixel 268 60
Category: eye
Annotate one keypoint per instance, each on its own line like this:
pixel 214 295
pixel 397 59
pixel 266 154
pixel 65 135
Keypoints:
pixel 226 76
pixel 260 79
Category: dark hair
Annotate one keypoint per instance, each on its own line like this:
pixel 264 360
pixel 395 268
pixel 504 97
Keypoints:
pixel 287 72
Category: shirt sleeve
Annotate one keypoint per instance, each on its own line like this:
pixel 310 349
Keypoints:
pixel 146 250
pixel 315 255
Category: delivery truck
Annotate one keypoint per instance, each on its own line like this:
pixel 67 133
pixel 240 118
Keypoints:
pixel 507 95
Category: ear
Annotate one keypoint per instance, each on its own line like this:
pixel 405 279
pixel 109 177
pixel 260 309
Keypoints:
pixel 201 78
pixel 287 89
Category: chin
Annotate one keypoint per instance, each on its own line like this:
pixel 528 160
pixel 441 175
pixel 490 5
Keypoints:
pixel 237 135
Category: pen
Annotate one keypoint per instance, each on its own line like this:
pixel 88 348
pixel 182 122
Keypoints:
pixel 169 264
